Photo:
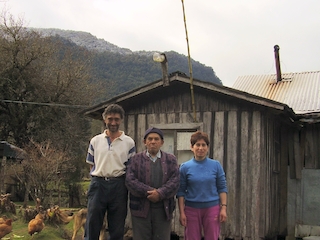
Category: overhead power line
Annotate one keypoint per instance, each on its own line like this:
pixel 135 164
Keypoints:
pixel 45 104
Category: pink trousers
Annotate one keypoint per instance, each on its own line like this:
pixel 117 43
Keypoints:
pixel 206 219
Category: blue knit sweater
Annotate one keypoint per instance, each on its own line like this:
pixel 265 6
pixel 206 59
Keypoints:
pixel 201 182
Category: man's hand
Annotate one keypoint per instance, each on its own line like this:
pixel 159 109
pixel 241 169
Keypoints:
pixel 153 196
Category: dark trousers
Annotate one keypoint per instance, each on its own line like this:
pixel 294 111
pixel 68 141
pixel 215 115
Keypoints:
pixel 110 196
pixel 154 227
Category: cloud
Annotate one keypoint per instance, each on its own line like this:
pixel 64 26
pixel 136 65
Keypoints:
pixel 234 37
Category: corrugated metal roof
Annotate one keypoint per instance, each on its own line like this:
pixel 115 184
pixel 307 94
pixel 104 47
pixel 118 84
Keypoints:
pixel 300 91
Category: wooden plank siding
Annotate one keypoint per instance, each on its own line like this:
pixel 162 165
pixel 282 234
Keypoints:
pixel 311 151
pixel 245 143
pixel 253 143
pixel 245 198
pixel 219 136
pixel 231 173
pixel 283 179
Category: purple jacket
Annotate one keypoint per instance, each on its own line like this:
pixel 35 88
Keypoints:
pixel 138 183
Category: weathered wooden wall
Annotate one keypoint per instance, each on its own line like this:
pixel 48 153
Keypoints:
pixel 257 141
pixel 302 181
pixel 310 139
pixel 248 142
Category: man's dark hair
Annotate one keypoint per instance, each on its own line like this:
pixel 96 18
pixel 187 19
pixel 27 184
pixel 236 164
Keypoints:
pixel 113 108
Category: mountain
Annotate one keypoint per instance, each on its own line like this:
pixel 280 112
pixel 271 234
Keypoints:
pixel 122 69
pixel 84 39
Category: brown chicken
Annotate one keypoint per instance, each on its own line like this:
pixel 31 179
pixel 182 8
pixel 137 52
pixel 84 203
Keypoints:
pixel 36 225
pixel 5 228
pixel 2 220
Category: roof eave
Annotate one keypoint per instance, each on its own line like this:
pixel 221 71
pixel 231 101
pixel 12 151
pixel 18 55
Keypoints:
pixel 93 111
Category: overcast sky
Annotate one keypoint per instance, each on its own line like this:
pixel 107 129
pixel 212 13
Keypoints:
pixel 234 37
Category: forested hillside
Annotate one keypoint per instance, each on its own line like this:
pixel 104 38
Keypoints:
pixel 121 73
pixel 119 70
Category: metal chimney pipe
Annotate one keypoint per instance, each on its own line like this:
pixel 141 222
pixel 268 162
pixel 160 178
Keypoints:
pixel 277 59
pixel 162 58
pixel 165 76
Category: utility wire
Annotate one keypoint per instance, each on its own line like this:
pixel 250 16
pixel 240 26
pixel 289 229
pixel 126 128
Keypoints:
pixel 45 104
pixel 190 65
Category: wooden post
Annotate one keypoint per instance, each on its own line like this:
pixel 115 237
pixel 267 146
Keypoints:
pixel 2 175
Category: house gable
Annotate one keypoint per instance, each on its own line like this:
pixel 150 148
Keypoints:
pixel 177 97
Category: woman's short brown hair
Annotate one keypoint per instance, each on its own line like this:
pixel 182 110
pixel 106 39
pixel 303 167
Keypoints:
pixel 198 135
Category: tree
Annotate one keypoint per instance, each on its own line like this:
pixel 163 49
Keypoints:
pixel 34 69
pixel 17 74
pixel 43 171
pixel 43 83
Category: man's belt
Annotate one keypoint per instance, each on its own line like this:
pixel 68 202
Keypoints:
pixel 112 178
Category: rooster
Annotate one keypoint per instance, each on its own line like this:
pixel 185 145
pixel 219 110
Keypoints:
pixel 36 225
pixel 5 228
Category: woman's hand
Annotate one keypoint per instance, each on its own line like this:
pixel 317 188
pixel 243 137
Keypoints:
pixel 223 214
pixel 183 219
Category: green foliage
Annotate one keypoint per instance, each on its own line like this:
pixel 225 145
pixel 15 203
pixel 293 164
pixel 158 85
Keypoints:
pixel 41 74
pixel 42 79
pixel 85 185
pixel 120 73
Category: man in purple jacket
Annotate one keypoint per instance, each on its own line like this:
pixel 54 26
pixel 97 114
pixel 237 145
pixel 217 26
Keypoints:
pixel 152 179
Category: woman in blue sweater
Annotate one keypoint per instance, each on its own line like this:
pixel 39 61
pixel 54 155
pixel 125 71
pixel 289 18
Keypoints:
pixel 202 196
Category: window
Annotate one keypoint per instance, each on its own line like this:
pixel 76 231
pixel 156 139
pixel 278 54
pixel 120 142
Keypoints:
pixel 177 139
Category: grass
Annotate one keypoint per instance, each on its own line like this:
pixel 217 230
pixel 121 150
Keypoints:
pixel 85 184
pixel 50 231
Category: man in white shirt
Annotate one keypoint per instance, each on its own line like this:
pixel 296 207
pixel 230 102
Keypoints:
pixel 108 154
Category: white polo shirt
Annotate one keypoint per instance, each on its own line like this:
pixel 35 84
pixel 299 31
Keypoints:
pixel 109 158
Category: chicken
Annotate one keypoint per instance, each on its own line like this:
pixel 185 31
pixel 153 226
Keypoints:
pixel 36 225
pixel 5 228
pixel 2 220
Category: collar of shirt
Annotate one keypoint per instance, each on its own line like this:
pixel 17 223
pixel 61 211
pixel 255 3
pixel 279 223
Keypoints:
pixel 120 137
pixel 153 159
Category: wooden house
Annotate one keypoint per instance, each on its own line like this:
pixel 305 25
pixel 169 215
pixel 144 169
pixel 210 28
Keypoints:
pixel 255 139
pixel 301 92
